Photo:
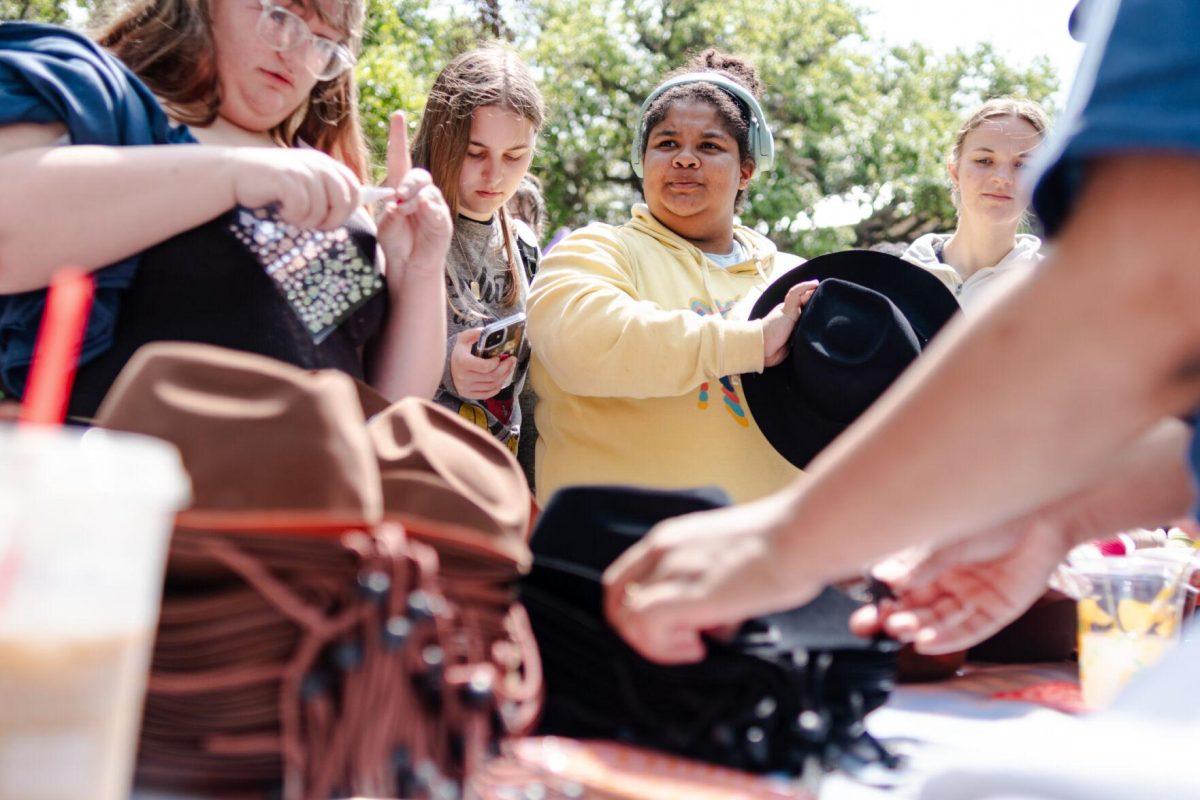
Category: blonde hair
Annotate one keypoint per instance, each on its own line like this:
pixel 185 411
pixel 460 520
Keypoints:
pixel 169 45
pixel 998 108
pixel 493 75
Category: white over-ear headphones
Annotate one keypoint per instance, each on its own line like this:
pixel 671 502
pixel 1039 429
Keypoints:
pixel 762 143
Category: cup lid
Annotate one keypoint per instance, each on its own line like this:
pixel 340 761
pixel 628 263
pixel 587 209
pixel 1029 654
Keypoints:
pixel 76 463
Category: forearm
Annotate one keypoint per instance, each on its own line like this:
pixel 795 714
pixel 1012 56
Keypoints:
pixel 1149 487
pixel 91 206
pixel 987 426
pixel 409 359
pixel 447 381
pixel 597 333
pixel 600 342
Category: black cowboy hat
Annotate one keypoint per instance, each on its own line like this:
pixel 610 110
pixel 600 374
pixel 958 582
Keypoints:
pixel 871 315
pixel 786 694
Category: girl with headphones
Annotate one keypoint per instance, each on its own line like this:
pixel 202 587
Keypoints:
pixel 638 331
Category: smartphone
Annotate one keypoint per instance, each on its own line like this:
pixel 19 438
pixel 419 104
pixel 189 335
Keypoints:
pixel 504 336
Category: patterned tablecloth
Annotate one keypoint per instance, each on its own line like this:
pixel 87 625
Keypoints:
pixel 930 725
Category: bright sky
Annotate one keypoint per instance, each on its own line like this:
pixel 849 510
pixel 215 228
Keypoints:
pixel 1021 30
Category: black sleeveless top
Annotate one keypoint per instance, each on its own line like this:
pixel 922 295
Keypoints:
pixel 204 285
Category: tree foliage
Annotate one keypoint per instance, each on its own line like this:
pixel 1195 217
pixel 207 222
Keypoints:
pixel 870 127
pixel 857 126
pixel 56 11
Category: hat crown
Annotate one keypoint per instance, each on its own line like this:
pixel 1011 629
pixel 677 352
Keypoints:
pixel 259 435
pixel 803 403
pixel 848 321
pixel 842 335
pixel 850 345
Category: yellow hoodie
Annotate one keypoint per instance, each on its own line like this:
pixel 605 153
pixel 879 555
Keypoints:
pixel 636 377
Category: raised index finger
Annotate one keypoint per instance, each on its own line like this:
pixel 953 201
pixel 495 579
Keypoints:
pixel 399 161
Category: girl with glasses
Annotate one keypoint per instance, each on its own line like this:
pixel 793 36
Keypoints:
pixel 477 138
pixel 253 237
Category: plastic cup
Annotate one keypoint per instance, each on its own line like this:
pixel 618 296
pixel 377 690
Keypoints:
pixel 85 518
pixel 1130 612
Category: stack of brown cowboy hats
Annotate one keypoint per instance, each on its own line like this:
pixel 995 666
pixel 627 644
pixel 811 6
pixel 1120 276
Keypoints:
pixel 871 315
pixel 339 614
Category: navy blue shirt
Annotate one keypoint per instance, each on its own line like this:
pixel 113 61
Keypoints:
pixel 1138 91
pixel 52 75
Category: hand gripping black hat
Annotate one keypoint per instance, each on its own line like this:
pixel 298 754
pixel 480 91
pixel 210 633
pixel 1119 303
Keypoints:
pixel 870 317
pixel 787 694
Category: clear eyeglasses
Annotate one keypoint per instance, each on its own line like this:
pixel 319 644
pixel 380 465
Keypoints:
pixel 283 30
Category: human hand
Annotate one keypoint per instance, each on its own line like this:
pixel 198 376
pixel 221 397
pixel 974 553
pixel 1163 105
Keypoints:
pixel 307 188
pixel 698 574
pixel 415 227
pixel 781 321
pixel 958 595
pixel 478 378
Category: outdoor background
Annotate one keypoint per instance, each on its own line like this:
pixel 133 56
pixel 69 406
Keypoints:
pixel 863 97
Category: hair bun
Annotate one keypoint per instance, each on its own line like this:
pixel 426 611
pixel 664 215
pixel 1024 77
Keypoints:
pixel 739 69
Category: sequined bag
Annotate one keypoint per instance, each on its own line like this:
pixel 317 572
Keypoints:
pixel 322 275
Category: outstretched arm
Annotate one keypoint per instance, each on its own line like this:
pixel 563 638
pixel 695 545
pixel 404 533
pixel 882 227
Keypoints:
pixel 1005 413
pixel 958 595
pixel 1026 404
pixel 91 205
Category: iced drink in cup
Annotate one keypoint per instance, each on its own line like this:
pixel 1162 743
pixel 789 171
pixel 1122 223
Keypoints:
pixel 1130 612
pixel 85 518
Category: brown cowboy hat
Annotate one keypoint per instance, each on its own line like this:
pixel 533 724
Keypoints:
pixel 263 437
pixel 289 565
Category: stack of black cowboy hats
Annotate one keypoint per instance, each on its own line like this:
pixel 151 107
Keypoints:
pixel 871 316
pixel 787 694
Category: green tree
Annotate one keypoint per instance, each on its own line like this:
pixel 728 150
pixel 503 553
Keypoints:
pixel 56 11
pixel 851 121
pixel 405 43
pixel 921 100
pixel 856 125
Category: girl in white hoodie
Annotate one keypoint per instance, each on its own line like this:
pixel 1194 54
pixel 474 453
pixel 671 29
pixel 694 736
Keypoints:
pixel 985 250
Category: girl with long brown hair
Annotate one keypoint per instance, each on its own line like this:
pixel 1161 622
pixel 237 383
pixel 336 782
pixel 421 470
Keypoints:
pixel 254 237
pixel 477 139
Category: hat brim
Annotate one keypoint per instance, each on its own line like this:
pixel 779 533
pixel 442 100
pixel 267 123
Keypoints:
pixel 790 423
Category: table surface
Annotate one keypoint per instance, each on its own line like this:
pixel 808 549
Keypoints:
pixel 931 725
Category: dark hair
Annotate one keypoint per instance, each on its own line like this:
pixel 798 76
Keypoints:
pixel 734 116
